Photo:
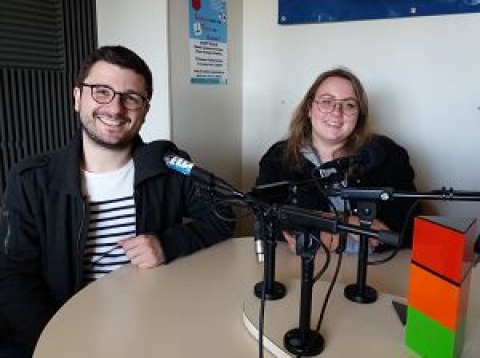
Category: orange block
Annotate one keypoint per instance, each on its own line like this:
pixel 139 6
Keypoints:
pixel 443 301
pixel 445 245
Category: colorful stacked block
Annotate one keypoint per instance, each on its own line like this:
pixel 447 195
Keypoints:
pixel 440 271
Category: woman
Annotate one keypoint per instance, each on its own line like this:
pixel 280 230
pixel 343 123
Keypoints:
pixel 331 122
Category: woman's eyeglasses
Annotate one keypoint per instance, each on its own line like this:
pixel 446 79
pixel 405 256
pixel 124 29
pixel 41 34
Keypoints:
pixel 326 104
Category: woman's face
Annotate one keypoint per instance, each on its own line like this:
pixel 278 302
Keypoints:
pixel 334 112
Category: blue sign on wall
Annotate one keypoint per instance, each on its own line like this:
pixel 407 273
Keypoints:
pixel 313 11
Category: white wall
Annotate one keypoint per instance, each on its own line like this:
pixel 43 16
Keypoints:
pixel 207 119
pixel 142 26
pixel 422 75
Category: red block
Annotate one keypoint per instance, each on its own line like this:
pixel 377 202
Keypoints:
pixel 445 245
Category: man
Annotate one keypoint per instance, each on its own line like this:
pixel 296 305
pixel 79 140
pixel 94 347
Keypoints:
pixel 104 200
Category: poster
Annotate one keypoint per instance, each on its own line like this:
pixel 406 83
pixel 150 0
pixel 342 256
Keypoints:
pixel 321 11
pixel 208 41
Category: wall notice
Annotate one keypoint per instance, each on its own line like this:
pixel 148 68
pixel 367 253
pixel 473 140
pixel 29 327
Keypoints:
pixel 208 41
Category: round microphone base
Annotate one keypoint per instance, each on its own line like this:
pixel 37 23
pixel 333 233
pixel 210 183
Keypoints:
pixel 309 343
pixel 367 295
pixel 276 291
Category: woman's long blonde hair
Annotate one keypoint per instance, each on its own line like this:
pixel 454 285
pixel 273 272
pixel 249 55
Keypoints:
pixel 300 131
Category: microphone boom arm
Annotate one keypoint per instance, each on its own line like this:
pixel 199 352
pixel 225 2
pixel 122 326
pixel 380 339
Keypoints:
pixel 388 193
pixel 303 219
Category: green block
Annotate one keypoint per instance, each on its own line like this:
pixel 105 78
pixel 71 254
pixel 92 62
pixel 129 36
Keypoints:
pixel 430 339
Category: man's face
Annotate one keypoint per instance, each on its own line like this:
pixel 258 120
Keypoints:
pixel 111 125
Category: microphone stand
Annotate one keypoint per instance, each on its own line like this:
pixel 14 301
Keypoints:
pixel 273 290
pixel 360 292
pixel 217 189
pixel 304 341
pixel 367 210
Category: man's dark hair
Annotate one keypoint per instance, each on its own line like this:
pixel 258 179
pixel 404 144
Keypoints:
pixel 120 56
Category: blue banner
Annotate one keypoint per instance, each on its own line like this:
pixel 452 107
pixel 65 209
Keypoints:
pixel 316 11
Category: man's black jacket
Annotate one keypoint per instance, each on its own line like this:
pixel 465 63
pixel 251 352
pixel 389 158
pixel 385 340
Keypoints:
pixel 44 225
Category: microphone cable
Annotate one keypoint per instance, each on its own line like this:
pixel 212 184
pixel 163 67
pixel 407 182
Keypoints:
pixel 261 317
pixel 326 263
pixel 329 291
pixel 102 256
pixel 261 314
pixel 222 201
pixel 403 232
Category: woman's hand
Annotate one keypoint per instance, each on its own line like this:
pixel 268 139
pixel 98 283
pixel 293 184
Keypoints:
pixel 331 240
pixel 291 240
pixel 377 225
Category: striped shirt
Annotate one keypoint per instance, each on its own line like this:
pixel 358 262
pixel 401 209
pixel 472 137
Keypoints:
pixel 112 218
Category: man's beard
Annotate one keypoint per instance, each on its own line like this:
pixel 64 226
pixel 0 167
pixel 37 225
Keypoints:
pixel 122 144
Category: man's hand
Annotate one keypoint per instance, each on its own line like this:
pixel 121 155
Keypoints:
pixel 143 250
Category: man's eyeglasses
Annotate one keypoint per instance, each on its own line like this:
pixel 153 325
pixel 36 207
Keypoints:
pixel 104 94
pixel 326 104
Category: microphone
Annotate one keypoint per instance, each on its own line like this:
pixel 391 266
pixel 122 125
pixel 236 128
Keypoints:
pixel 272 193
pixel 370 156
pixel 259 244
pixel 187 168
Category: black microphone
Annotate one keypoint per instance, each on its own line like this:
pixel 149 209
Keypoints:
pixel 272 193
pixel 259 242
pixel 185 167
pixel 369 156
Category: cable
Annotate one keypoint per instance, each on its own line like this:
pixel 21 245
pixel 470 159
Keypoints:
pixel 325 265
pixel 261 318
pixel 102 256
pixel 395 250
pixel 329 292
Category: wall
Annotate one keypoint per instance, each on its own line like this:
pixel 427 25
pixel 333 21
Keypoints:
pixel 142 26
pixel 422 76
pixel 207 119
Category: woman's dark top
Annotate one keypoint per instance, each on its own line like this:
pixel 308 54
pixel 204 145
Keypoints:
pixel 394 171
